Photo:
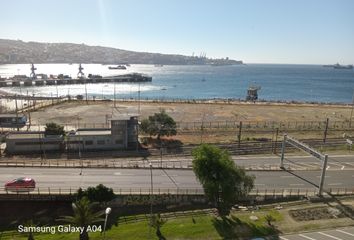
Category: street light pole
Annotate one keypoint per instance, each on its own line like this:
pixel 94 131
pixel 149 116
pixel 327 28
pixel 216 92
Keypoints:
pixel 108 211
pixel 161 126
pixel 151 200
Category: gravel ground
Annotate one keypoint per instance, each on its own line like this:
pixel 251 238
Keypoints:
pixel 99 112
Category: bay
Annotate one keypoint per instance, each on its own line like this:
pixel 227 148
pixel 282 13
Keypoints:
pixel 278 82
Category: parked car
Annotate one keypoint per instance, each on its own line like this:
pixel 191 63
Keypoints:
pixel 21 184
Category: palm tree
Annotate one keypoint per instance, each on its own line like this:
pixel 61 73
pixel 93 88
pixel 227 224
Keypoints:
pixel 157 222
pixel 84 215
pixel 29 224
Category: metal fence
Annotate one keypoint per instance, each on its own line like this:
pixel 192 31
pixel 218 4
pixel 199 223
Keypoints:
pixel 285 192
pixel 182 127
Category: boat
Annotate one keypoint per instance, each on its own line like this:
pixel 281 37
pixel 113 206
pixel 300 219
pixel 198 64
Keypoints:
pixel 158 65
pixel 120 67
pixel 338 66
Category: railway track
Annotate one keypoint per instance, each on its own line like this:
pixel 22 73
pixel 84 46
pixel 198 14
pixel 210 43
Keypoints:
pixel 251 147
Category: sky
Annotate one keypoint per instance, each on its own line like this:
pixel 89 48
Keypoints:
pixel 255 31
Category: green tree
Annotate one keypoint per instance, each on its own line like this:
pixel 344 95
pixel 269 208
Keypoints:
pixel 160 124
pixel 157 222
pixel 100 193
pixel 223 181
pixel 54 129
pixel 83 216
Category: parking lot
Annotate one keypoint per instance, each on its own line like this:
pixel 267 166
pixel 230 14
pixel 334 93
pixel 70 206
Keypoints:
pixel 337 234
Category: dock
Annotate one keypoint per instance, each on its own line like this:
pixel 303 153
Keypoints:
pixel 34 80
pixel 28 82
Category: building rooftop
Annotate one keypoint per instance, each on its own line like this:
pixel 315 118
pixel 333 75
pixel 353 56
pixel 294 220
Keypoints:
pixel 123 117
pixel 88 132
pixel 32 136
pixel 10 115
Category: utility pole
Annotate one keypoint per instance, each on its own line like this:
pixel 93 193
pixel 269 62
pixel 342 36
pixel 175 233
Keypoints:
pixel 114 95
pixel 18 129
pixel 139 99
pixel 86 92
pixel 325 132
pixel 202 129
pixel 29 117
pixel 283 152
pixel 323 173
pixel 276 141
pixel 151 199
pixel 239 134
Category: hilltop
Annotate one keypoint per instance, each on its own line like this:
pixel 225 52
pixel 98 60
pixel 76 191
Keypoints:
pixel 17 51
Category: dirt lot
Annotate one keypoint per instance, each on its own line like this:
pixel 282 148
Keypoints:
pixel 98 112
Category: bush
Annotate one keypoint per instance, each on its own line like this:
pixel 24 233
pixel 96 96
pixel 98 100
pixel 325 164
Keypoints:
pixel 54 129
pixel 100 193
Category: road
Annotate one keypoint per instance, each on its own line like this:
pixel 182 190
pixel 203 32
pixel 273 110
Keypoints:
pixel 336 234
pixel 335 162
pixel 169 179
pixel 253 162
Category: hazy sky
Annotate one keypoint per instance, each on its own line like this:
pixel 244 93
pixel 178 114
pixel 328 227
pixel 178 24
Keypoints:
pixel 255 31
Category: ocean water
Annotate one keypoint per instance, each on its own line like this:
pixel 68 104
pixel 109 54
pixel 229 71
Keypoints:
pixel 310 83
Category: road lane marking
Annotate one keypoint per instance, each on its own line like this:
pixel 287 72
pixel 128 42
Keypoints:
pixel 283 238
pixel 350 164
pixel 297 165
pixel 171 178
pixel 341 231
pixel 342 168
pixel 330 236
pixel 340 165
pixel 335 184
pixel 311 165
pixel 310 238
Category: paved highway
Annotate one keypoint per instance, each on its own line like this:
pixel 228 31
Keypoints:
pixel 336 162
pixel 172 179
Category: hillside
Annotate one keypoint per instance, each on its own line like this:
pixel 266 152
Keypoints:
pixel 15 52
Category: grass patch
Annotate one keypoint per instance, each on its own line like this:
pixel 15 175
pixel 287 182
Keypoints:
pixel 197 227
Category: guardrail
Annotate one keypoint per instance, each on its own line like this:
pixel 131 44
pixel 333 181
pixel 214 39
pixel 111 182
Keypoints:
pixel 130 164
pixel 285 192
